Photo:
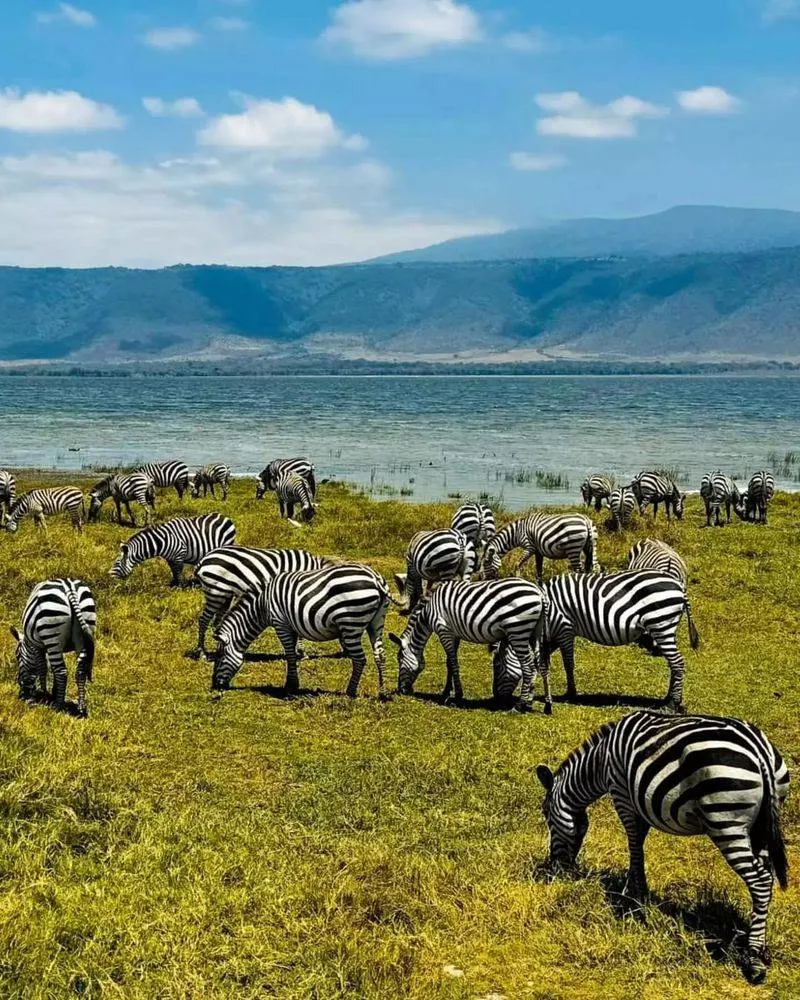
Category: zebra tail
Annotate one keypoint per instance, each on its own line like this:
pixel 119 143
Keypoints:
pixel 694 635
pixel 88 635
pixel 767 831
pixel 590 550
pixel 540 634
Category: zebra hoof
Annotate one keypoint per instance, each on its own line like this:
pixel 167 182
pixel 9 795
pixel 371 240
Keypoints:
pixel 755 968
pixel 196 654
pixel 352 692
pixel 548 708
pixel 523 707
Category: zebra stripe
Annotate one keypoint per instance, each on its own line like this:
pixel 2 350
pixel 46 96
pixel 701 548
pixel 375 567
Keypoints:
pixel 180 542
pixel 208 477
pixel 434 556
pixel 224 575
pixel 476 522
pixel 653 554
pixel 60 617
pixel 596 489
pixel 551 536
pixel 168 474
pixel 509 611
pixel 654 488
pixel 338 602
pixel 8 491
pixel 123 488
pixel 687 776
pixel 268 478
pixel 622 504
pixel 294 491
pixel 717 489
pixel 753 503
pixel 56 500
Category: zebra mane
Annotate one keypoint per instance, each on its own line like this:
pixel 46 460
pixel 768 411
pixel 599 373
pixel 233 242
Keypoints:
pixel 590 743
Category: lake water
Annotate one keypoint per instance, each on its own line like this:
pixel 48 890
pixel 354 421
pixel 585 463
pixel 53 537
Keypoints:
pixel 428 436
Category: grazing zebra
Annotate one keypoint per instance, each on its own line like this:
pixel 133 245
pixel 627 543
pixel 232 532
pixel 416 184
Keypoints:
pixel 268 478
pixel 507 611
pixel 476 521
pixel 654 488
pixel 57 500
pixel 166 474
pixel 8 491
pixel 596 489
pixel 716 489
pixel 653 554
pixel 433 556
pixel 338 602
pixel 60 617
pixel 554 536
pixel 207 477
pixel 180 542
pixel 622 504
pixel 687 776
pixel 224 575
pixel 753 503
pixel 123 488
pixel 294 491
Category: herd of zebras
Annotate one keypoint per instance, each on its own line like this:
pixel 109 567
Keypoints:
pixel 677 773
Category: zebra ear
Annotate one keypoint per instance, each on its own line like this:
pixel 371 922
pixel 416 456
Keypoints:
pixel 545 776
pixel 15 633
pixel 396 639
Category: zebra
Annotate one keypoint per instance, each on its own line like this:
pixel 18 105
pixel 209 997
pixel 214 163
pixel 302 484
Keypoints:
pixel 510 611
pixel 8 492
pixel 433 556
pixel 555 536
pixel 179 542
pixel 56 500
pixel 753 504
pixel 123 488
pixel 225 574
pixel 655 488
pixel 268 478
pixel 166 474
pixel 336 602
pixel 60 617
pixel 622 504
pixel 689 776
pixel 596 489
pixel 207 477
pixel 652 553
pixel 476 521
pixel 717 489
pixel 293 490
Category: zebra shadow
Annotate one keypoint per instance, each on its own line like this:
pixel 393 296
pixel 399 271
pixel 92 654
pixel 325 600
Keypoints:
pixel 470 704
pixel 609 699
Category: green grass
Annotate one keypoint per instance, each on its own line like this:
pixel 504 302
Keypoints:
pixel 173 847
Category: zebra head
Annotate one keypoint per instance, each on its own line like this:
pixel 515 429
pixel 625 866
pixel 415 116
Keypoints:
pixel 566 824
pixel 229 660
pixel 95 503
pixel 410 663
pixel 28 666
pixel 741 507
pixel 123 564
pixel 197 482
pixel 491 561
pixel 11 524
pixel 680 500
pixel 586 493
pixel 261 487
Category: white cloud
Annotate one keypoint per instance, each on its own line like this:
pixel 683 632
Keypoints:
pixel 535 41
pixel 171 39
pixel 572 115
pixel 287 129
pixel 66 12
pixel 708 101
pixel 183 107
pixel 779 10
pixel 538 162
pixel 228 23
pixel 402 29
pixel 54 111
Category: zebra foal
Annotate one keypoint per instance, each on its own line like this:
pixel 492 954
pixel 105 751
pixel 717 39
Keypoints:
pixel 60 617
pixel 434 556
pixel 716 490
pixel 208 477
pixel 688 776
pixel 124 489
pixel 37 503
pixel 551 536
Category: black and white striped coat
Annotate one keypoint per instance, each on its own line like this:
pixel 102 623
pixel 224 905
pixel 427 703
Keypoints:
pixel 268 478
pixel 541 535
pixel 8 491
pixel 293 491
pixel 596 489
pixel 208 477
pixel 57 500
pixel 652 488
pixel 622 504
pixel 691 776
pixel 124 489
pixel 226 574
pixel 338 602
pixel 476 521
pixel 753 504
pixel 717 489
pixel 168 474
pixel 60 617
pixel 183 541
pixel 509 611
pixel 653 554
pixel 434 556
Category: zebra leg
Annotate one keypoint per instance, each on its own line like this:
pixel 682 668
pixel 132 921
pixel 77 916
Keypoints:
pixel 727 512
pixel 288 639
pixel 452 688
pixel 530 668
pixel 539 566
pixel 225 490
pixel 131 518
pixel 669 650
pixel 736 848
pixel 177 570
pixel 636 830
pixel 352 645
pixel 375 635
pixel 55 659
pixel 41 679
pixel 211 610
pixel 566 645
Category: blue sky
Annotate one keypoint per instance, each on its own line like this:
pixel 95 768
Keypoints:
pixel 144 133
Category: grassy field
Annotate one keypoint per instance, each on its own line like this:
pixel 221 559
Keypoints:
pixel 175 847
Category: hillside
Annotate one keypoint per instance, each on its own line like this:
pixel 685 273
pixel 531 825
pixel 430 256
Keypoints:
pixel 712 305
pixel 683 229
